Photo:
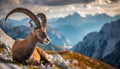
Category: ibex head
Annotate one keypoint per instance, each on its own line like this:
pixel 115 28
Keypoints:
pixel 40 30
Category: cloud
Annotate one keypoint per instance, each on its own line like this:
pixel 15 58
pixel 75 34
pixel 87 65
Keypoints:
pixel 110 9
pixel 64 2
pixel 61 8
pixel 54 2
pixel 9 3
pixel 6 5
pixel 37 5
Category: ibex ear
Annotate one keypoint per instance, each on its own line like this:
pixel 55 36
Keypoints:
pixel 31 25
pixel 43 28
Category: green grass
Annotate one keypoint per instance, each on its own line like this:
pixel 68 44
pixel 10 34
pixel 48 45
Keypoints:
pixel 1 49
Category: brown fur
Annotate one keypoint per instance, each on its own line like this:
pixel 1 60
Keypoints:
pixel 25 49
pixel 38 55
pixel 22 49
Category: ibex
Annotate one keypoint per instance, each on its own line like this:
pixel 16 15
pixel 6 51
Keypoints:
pixel 25 50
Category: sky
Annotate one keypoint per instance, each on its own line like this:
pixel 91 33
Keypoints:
pixel 61 8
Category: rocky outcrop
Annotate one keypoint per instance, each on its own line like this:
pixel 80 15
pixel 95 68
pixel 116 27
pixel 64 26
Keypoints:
pixel 6 44
pixel 102 45
pixel 59 61
pixel 11 66
pixel 114 56
pixel 5 40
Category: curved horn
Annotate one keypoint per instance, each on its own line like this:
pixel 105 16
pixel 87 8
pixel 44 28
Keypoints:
pixel 43 18
pixel 27 12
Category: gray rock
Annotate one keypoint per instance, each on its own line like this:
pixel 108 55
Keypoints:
pixel 5 40
pixel 58 60
pixel 11 66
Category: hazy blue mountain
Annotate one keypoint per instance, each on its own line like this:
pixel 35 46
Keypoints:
pixel 50 47
pixel 14 23
pixel 114 56
pixel 15 31
pixel 19 32
pixel 103 45
pixel 57 38
pixel 73 27
pixel 22 31
pixel 5 26
pixel 76 27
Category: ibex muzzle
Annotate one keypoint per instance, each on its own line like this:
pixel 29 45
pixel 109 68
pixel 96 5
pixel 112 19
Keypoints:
pixel 42 36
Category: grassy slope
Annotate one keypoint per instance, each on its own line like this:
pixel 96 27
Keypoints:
pixel 83 61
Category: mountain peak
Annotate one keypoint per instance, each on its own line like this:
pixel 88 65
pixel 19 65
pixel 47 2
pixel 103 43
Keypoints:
pixel 102 45
pixel 75 15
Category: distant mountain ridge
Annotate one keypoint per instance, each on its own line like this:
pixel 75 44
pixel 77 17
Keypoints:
pixel 103 45
pixel 76 27
pixel 14 23
pixel 73 27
